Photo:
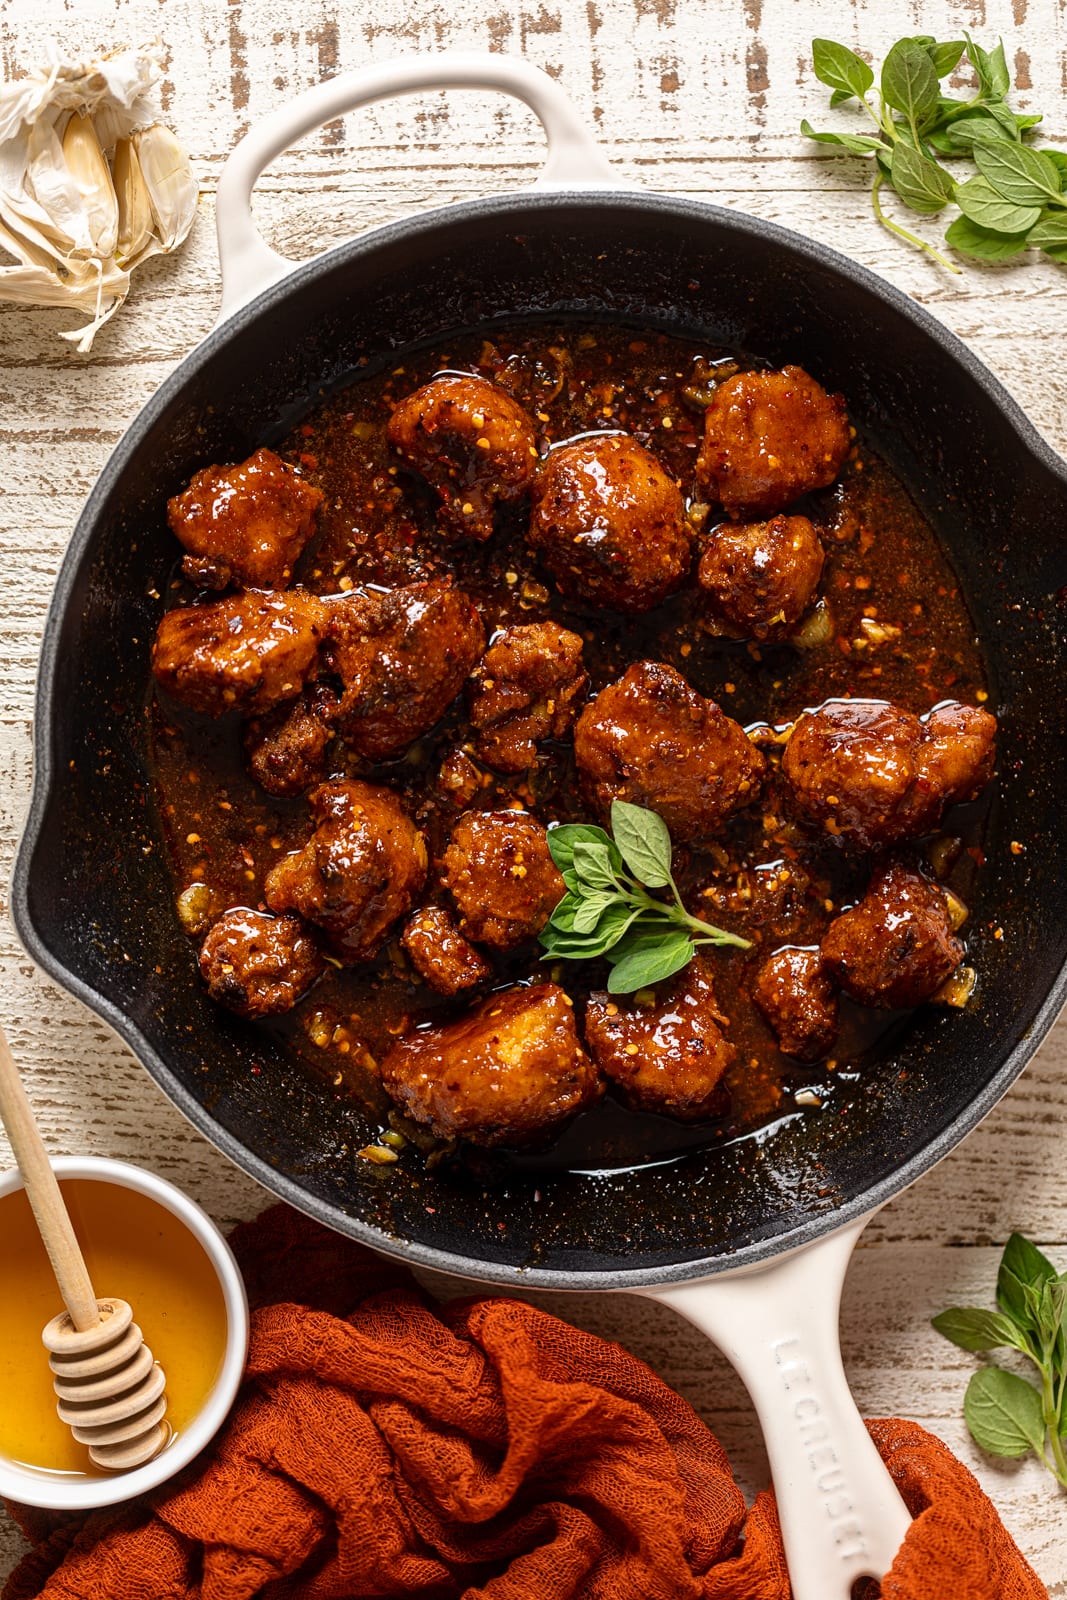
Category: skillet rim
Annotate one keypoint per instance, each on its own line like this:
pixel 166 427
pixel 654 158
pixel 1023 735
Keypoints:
pixel 509 207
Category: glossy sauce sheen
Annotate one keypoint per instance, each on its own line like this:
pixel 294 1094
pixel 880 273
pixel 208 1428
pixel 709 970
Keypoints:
pixel 135 1250
pixel 901 631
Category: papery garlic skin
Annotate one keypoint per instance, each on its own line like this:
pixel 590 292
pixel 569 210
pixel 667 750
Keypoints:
pixel 75 225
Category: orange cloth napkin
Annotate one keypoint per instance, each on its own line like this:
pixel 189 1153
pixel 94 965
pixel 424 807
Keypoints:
pixel 385 1446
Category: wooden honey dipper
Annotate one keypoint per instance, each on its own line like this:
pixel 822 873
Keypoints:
pixel 111 1391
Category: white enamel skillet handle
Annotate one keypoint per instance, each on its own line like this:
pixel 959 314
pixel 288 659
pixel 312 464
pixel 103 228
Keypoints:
pixel 841 1514
pixel 842 1517
pixel 249 265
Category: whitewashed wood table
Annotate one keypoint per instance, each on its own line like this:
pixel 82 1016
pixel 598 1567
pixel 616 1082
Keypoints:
pixel 688 96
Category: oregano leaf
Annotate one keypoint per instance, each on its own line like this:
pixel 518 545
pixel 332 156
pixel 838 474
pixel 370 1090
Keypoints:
pixel 993 77
pixel 1005 119
pixel 855 143
pixel 1016 172
pixel 920 182
pixel 1050 231
pixel 909 82
pixel 978 200
pixel 973 1329
pixel 1021 1263
pixel 1003 1413
pixel 1059 161
pixel 563 838
pixel 589 912
pixel 593 864
pixel 981 244
pixel 946 57
pixel 641 968
pixel 644 842
pixel 999 76
pixel 840 68
pixel 966 132
pixel 563 913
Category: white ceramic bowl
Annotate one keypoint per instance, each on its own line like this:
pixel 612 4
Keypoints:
pixel 60 1492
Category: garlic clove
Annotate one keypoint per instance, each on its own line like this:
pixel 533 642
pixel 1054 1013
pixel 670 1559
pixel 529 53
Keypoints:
pixel 172 188
pixel 85 163
pixel 134 204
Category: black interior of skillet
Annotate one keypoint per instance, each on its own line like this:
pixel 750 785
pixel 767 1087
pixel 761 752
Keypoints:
pixel 92 895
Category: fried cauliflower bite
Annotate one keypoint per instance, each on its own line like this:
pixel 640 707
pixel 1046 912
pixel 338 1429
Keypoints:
pixel 246 524
pixel 509 1072
pixel 770 437
pixel 245 653
pixel 609 523
pixel 799 1002
pixel 440 954
pixel 287 748
pixel 501 876
pixel 668 1056
pixel 651 740
pixel 473 444
pixel 360 871
pixel 525 689
pixel 761 577
pixel 874 774
pixel 259 966
pixel 896 947
pixel 402 658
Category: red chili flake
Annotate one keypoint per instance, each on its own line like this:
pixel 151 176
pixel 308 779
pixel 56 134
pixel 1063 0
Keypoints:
pixel 309 461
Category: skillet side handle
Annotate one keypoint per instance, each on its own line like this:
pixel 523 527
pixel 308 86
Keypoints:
pixel 249 265
pixel 841 1514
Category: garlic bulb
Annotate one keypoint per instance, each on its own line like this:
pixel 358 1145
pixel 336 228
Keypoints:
pixel 76 225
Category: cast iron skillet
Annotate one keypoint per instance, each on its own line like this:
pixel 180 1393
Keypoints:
pixel 91 895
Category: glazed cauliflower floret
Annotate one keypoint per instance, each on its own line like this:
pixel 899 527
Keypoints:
pixel 244 653
pixel 799 1001
pixel 287 748
pixel 508 1072
pixel 896 947
pixel 258 965
pixel 874 774
pixel 761 577
pixel 668 1056
pixel 358 873
pixel 525 689
pixel 472 443
pixel 770 437
pixel 245 524
pixel 402 658
pixel 650 739
pixel 501 876
pixel 609 523
pixel 440 954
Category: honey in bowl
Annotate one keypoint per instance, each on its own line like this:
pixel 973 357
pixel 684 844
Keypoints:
pixel 135 1248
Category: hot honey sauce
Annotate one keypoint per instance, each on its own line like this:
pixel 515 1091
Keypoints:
pixel 134 1247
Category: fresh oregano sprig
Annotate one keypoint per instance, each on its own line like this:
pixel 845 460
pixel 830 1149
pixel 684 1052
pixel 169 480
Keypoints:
pixel 1007 1415
pixel 608 909
pixel 1017 197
